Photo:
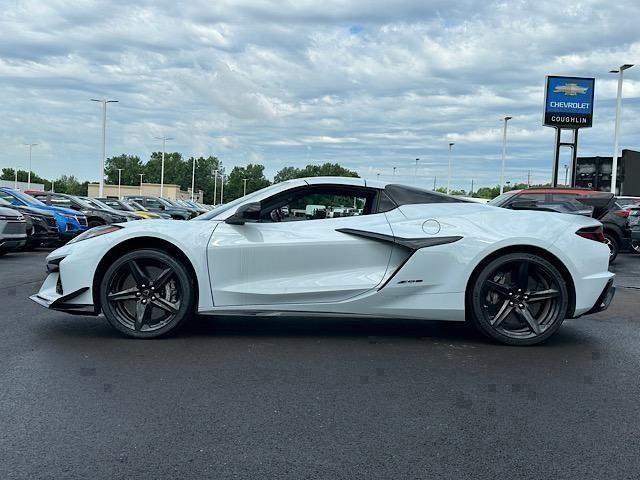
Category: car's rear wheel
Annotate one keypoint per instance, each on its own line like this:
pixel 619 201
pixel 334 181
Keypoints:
pixel 611 242
pixel 519 299
pixel 147 293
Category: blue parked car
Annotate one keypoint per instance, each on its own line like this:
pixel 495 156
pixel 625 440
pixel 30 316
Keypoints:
pixel 70 223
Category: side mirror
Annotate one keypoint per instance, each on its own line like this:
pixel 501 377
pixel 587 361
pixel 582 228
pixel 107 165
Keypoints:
pixel 244 213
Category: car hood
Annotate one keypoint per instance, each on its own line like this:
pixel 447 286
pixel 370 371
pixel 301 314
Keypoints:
pixel 62 210
pixel 10 213
pixel 33 210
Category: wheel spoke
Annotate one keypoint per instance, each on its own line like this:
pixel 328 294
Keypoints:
pixel 522 275
pixel 543 295
pixel 530 319
pixel 142 313
pixel 128 294
pixel 500 288
pixel 166 305
pixel 503 313
pixel 138 273
pixel 163 278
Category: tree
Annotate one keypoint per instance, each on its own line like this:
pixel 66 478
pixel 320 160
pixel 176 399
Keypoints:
pixel 234 186
pixel 324 170
pixel 131 169
pixel 71 185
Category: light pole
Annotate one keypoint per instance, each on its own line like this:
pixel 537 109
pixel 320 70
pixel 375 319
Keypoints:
pixel 244 192
pixel 141 175
pixel 164 141
pixel 566 174
pixel 451 144
pixel 416 174
pixel 221 189
pixel 215 187
pixel 15 180
pixel 504 153
pixel 119 181
pixel 193 178
pixel 614 159
pixel 394 171
pixel 53 186
pixel 104 141
pixel 30 145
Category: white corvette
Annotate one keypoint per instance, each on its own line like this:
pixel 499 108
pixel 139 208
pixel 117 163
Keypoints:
pixel 390 251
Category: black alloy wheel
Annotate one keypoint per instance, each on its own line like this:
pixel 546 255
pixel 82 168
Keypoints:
pixel 519 299
pixel 147 294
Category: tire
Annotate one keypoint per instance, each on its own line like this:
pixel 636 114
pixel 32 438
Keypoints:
pixel 147 294
pixel 613 244
pixel 518 299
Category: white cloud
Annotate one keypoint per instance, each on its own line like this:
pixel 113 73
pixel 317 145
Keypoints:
pixel 367 83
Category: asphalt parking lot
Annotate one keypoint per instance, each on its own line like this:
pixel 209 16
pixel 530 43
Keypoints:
pixel 307 398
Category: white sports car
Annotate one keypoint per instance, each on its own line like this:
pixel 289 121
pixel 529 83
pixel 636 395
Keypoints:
pixel 411 253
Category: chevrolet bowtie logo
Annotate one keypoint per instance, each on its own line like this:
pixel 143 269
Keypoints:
pixel 571 89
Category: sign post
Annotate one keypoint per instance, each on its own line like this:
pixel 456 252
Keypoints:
pixel 568 105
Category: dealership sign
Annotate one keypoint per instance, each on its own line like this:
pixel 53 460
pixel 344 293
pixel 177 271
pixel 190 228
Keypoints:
pixel 568 102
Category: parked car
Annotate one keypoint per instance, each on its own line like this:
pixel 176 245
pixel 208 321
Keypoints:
pixel 69 222
pixel 626 202
pixel 160 205
pixel 566 200
pixel 123 206
pixel 634 225
pixel 42 228
pixel 515 275
pixel 200 209
pixel 95 216
pixel 13 230
pixel 182 204
pixel 130 216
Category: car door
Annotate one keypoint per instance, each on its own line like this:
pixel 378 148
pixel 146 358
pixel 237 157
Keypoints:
pixel 300 259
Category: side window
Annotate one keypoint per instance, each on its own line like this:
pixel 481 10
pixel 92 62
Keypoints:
pixel 535 197
pixel 318 203
pixel 153 203
pixel 569 203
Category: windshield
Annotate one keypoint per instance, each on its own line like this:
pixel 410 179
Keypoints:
pixel 27 198
pixel 226 206
pixel 137 206
pixel 98 204
pixel 500 199
pixel 166 203
pixel 83 203
pixel 4 203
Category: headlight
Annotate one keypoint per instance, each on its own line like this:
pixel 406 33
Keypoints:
pixel 95 232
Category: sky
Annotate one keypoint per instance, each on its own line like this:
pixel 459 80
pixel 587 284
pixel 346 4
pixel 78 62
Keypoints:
pixel 369 84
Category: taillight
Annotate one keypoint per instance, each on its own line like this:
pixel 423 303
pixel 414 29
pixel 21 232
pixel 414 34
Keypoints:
pixel 592 233
pixel 622 213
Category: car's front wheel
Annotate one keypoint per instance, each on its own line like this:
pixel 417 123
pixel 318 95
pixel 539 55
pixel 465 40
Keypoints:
pixel 147 293
pixel 518 299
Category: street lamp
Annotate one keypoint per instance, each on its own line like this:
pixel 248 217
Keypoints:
pixel 614 164
pixel 566 174
pixel 141 175
pixel 30 145
pixel 222 189
pixel 104 140
pixel 215 187
pixel 164 141
pixel 504 153
pixel 244 192
pixel 193 178
pixel 119 181
pixel 394 171
pixel 416 174
pixel 451 144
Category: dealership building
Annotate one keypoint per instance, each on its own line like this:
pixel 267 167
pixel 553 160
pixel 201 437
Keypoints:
pixel 594 173
pixel 170 191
